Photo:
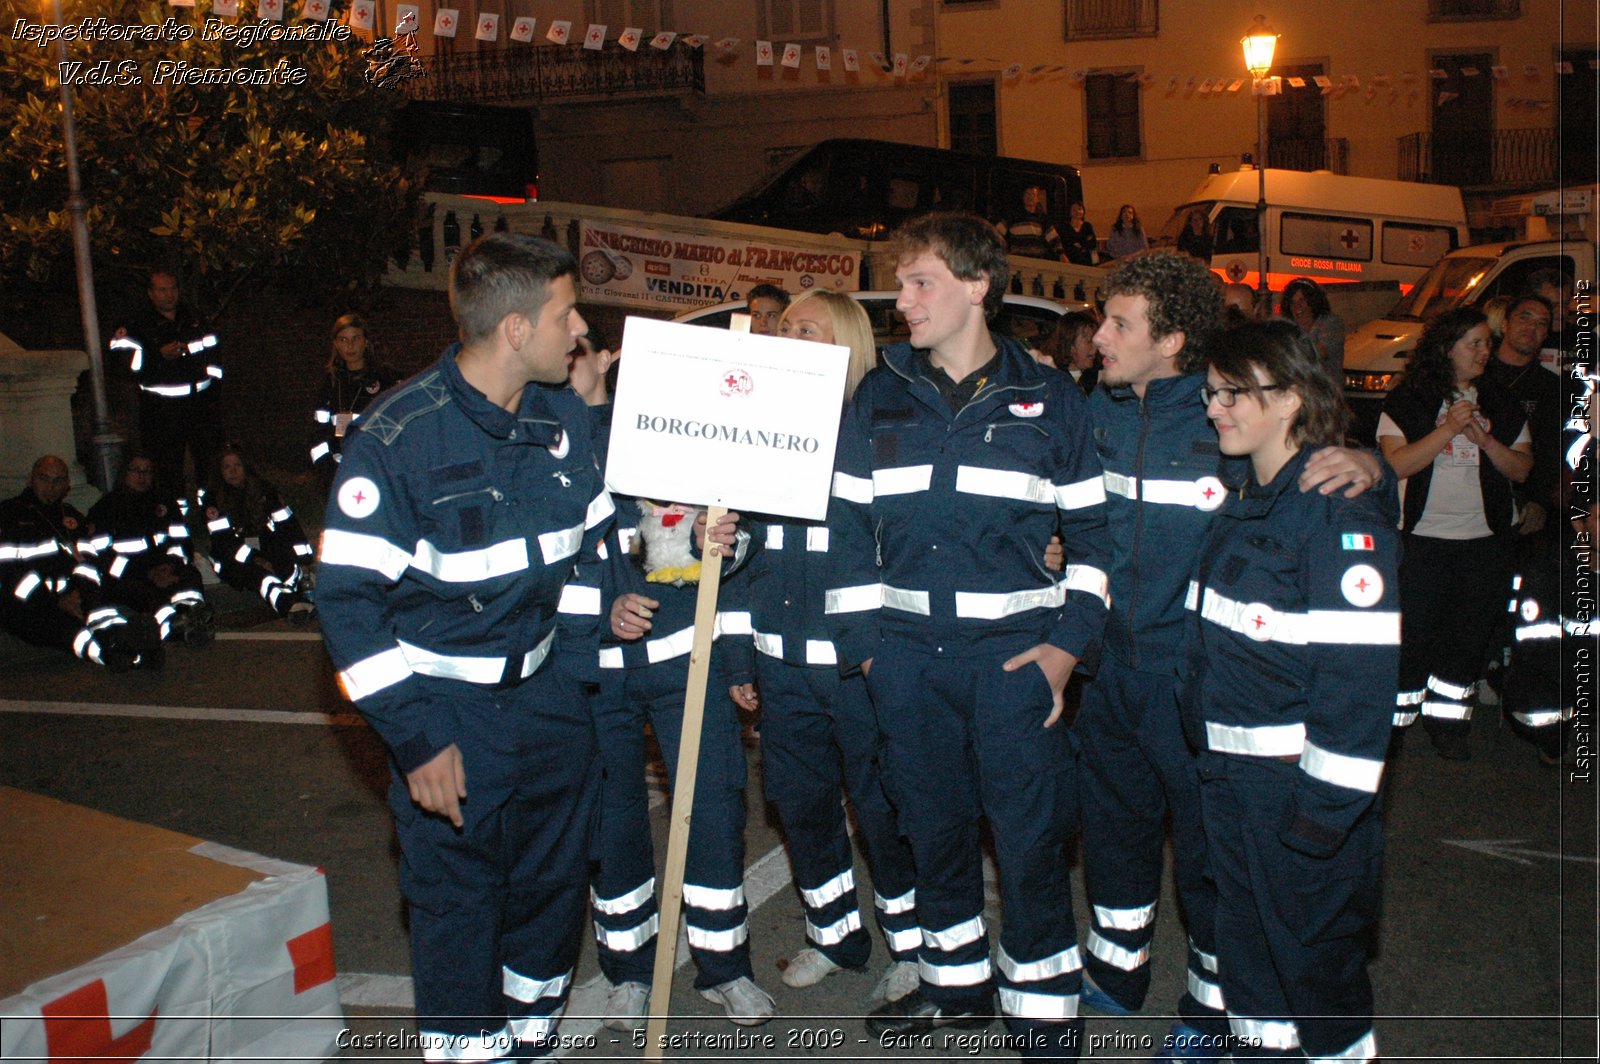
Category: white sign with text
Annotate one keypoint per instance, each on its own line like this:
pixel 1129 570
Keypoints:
pixel 710 417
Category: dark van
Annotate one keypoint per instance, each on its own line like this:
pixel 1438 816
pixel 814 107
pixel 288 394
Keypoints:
pixel 471 149
pixel 865 188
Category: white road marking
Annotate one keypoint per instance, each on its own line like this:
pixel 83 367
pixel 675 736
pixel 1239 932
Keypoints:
pixel 1512 850
pixel 243 716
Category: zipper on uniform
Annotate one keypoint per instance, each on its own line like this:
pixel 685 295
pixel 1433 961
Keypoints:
pixel 494 492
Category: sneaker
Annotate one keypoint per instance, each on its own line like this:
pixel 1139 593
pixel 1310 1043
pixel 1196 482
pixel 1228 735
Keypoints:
pixel 915 1015
pixel 1187 1043
pixel 808 968
pixel 1100 1001
pixel 745 1003
pixel 302 613
pixel 627 1007
pixel 899 979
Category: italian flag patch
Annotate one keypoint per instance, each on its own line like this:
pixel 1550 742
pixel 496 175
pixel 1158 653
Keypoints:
pixel 1355 541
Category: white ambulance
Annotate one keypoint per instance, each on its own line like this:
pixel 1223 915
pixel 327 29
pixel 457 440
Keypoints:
pixel 1321 225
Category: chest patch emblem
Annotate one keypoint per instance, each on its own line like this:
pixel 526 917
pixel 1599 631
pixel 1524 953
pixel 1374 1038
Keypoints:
pixel 358 498
pixel 1209 493
pixel 1361 585
pixel 1356 541
pixel 1026 409
pixel 1530 610
pixel 1259 621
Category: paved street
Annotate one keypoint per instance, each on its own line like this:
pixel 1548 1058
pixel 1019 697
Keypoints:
pixel 1487 947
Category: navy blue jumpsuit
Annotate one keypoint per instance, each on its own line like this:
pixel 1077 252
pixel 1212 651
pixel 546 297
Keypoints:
pixel 460 606
pixel 1290 661
pixel 941 520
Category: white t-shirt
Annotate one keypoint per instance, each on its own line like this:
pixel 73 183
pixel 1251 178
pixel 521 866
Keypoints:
pixel 1454 509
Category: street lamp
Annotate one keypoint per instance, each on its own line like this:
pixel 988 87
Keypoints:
pixel 1259 45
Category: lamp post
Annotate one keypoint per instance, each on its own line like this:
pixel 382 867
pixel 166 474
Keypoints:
pixel 1259 44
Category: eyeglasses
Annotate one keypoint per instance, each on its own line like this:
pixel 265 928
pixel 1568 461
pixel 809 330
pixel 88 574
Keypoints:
pixel 1228 395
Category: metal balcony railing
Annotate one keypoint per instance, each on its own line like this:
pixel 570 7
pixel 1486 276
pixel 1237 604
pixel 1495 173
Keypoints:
pixel 539 73
pixel 1473 10
pixel 1487 159
pixel 1098 20
pixel 1305 154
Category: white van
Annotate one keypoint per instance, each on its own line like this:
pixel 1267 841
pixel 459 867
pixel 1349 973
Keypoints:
pixel 1325 226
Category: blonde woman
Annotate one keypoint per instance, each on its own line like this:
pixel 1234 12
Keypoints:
pixel 819 733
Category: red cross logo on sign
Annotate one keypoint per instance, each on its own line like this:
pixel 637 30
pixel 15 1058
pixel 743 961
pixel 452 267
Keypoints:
pixel 736 382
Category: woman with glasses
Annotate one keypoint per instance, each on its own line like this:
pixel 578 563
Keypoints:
pixel 1286 676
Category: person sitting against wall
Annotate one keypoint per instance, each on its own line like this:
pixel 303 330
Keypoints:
pixel 257 544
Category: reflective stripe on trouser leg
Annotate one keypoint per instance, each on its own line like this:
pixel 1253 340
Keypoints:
pixel 623 895
pixel 534 806
pixel 1293 938
pixel 714 908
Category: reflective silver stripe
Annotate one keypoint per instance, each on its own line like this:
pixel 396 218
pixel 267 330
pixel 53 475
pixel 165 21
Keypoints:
pixel 1117 484
pixel 26 586
pixel 1068 960
pixel 463 1048
pixel 535 657
pixel 303 549
pixel 899 480
pixel 852 489
pixel 717 941
pixel 625 903
pixel 732 622
pixel 1446 710
pixel 1269 1034
pixel 1116 956
pixel 1208 961
pixel 1404 718
pixel 1083 494
pixel 1542 630
pixel 835 932
pixel 535 1028
pixel 897 598
pixel 1088 578
pixel 611 658
pixel 1450 690
pixel 521 988
pixel 173 391
pixel 370 675
pixel 1356 773
pixel 854 599
pixel 625 537
pixel 992 606
pixel 1364 1048
pixel 320 451
pixel 1125 919
pixel 1410 698
pixel 365 552
pixel 903 941
pixel 28 552
pixel 1036 1006
pixel 1160 492
pixel 668 647
pixel 713 899
pixel 956 935
pixel 84 572
pixel 130 546
pixel 472 668
pixel 218 525
pixel 831 891
pixel 631 939
pixel 1262 740
pixel 127 343
pixel 197 346
pixel 1337 627
pixel 821 652
pixel 1540 718
pixel 817 539
pixel 84 646
pixel 600 508
pixel 775 537
pixel 1002 484
pixel 118 564
pixel 578 599
pixel 1207 993
pixel 242 553
pixel 283 514
pixel 556 546
pixel 954 974
pixel 322 417
pixel 895 906
pixel 769 644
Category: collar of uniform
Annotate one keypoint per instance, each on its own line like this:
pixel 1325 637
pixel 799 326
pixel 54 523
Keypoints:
pixel 534 422
pixel 1256 499
pixel 1164 391
pixel 1017 372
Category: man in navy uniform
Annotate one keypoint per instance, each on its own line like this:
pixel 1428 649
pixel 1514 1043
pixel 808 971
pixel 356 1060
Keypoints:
pixel 959 459
pixel 464 522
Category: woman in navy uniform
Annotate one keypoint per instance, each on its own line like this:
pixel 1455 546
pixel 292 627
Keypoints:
pixel 257 543
pixel 352 381
pixel 1288 669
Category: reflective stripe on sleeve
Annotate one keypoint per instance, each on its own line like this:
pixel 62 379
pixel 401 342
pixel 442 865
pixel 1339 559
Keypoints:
pixel 901 480
pixel 320 451
pixel 1031 1005
pixel 1333 627
pixel 370 675
pixel 340 547
pixel 852 489
pixel 1356 773
pixel 600 508
pixel 1088 579
pixel 1542 630
pixel 26 586
pixel 561 544
pixel 1265 740
pixel 668 647
pixel 1068 960
pixel 580 600
pixel 1002 484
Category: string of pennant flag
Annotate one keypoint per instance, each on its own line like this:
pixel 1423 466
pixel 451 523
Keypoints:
pixel 489 27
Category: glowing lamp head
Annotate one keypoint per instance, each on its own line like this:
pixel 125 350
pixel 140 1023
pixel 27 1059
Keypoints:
pixel 1259 44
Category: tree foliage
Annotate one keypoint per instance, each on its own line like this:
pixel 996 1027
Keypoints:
pixel 230 184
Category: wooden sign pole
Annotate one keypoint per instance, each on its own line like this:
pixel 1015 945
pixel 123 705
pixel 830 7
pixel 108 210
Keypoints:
pixel 694 706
